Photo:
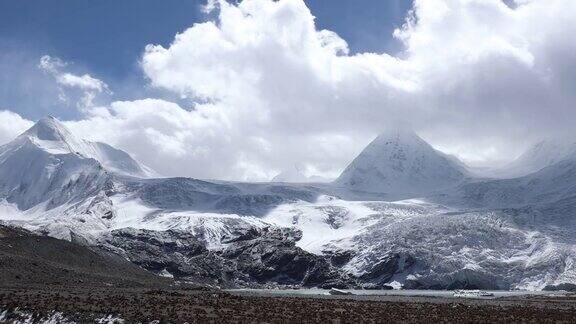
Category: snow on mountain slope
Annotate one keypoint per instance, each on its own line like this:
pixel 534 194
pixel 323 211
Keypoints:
pixel 465 249
pixel 549 185
pixel 539 156
pixel 247 199
pixel 52 137
pixel 211 228
pixel 117 161
pixel 399 161
pixel 42 166
pixel 54 183
pixel 47 164
pixel 50 184
pixel 330 220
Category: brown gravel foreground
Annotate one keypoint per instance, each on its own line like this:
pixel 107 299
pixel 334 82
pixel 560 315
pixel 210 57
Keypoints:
pixel 179 306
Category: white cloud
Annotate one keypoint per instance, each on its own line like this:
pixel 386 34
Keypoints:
pixel 11 125
pixel 477 78
pixel 474 72
pixel 51 64
pixel 85 82
pixel 202 142
pixel 89 86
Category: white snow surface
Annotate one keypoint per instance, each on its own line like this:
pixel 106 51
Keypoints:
pixel 211 228
pixel 334 221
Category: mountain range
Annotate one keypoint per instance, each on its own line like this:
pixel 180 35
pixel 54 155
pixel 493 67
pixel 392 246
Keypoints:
pixel 401 215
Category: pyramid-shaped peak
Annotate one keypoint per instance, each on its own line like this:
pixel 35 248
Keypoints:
pixel 49 129
pixel 52 136
pixel 399 161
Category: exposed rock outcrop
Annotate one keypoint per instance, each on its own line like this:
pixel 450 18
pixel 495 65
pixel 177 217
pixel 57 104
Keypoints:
pixel 255 257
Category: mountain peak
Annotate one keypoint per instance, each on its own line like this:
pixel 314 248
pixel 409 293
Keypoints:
pixel 399 161
pixel 49 129
pixel 53 137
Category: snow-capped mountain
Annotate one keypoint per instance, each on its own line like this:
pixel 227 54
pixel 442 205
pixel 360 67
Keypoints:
pixel 43 165
pixel 51 136
pixel 453 232
pixel 550 184
pixel 399 161
pixel 542 154
pixel 117 161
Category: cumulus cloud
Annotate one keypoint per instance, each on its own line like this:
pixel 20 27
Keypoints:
pixel 477 78
pixel 89 86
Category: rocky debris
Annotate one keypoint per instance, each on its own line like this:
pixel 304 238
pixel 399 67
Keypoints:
pixel 336 215
pixel 338 257
pixel 178 253
pixel 274 257
pixel 7 231
pixel 263 257
pixel 384 269
pixel 241 234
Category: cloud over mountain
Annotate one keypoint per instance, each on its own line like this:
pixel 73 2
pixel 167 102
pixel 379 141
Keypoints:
pixel 480 79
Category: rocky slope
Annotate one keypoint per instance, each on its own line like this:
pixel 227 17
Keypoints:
pixel 28 260
pixel 252 258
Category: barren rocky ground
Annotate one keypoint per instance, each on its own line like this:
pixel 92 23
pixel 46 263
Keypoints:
pixel 135 305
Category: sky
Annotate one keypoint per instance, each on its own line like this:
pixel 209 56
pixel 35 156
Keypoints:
pixel 246 89
pixel 106 38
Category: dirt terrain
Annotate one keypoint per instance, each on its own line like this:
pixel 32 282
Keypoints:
pixel 179 306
